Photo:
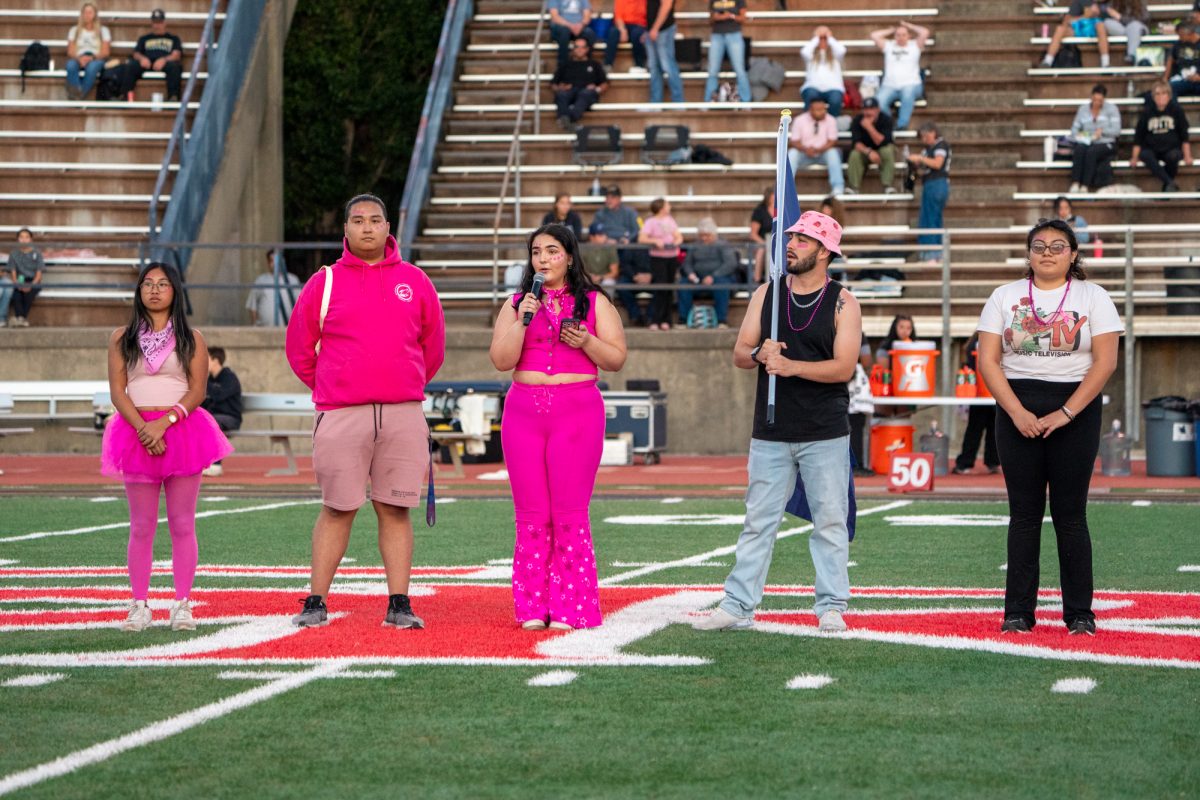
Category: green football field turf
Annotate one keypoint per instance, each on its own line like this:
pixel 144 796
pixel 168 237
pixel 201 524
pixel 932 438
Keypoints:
pixel 664 712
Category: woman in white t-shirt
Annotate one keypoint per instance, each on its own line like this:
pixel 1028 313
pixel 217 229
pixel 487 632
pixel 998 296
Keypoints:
pixel 1047 346
pixel 88 44
pixel 902 78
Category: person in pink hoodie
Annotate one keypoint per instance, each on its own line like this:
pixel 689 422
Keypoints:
pixel 367 348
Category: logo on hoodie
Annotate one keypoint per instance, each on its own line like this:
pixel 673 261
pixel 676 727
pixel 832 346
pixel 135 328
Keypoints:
pixel 404 292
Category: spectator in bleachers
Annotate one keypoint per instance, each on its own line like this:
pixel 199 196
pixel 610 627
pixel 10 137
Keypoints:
pixel 577 84
pixel 871 143
pixel 621 223
pixel 902 329
pixel 222 399
pixel 933 164
pixel 1084 19
pixel 814 141
pixel 158 50
pixel 628 25
pixel 708 263
pixel 1183 61
pixel 1161 137
pixel 762 223
pixel 26 266
pixel 1128 18
pixel 823 56
pixel 835 210
pixel 569 21
pixel 1064 210
pixel 1195 18
pixel 1095 129
pixel 563 214
pixel 6 293
pixel 662 233
pixel 902 78
pixel 660 50
pixel 261 301
pixel 88 44
pixel 600 257
pixel 726 18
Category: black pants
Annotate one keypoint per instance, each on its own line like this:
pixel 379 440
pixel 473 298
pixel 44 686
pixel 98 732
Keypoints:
pixel 857 423
pixel 173 70
pixel 574 102
pixel 1091 165
pixel 23 301
pixel 981 424
pixel 1063 462
pixel 1164 166
pixel 632 262
pixel 662 270
pixel 227 423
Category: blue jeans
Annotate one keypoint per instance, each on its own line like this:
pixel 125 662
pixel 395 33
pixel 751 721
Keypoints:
pixel 831 158
pixel 908 97
pixel 834 97
pixel 733 45
pixel 934 194
pixel 91 73
pixel 562 36
pixel 613 40
pixel 1182 87
pixel 689 290
pixel 661 57
pixel 6 293
pixel 825 467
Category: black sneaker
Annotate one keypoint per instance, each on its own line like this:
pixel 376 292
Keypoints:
pixel 962 470
pixel 1016 625
pixel 400 613
pixel 1082 627
pixel 314 614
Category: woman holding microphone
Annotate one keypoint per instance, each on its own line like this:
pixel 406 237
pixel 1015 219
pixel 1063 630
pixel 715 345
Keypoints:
pixel 1047 346
pixel 555 334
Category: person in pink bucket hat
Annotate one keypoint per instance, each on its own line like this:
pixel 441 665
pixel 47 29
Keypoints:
pixel 812 356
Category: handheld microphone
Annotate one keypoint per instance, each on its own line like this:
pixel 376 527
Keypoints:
pixel 536 291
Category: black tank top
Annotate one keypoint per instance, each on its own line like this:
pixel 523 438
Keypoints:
pixel 805 411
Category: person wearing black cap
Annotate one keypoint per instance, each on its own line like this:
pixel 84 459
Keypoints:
pixel 871 143
pixel 621 224
pixel 157 50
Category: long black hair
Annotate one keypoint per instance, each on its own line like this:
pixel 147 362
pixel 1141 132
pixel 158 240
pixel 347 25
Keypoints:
pixel 579 281
pixel 892 334
pixel 185 342
pixel 1076 269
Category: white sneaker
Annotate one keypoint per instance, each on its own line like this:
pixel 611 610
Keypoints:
pixel 181 617
pixel 139 617
pixel 722 620
pixel 636 70
pixel 1074 188
pixel 214 471
pixel 555 625
pixel 832 622
pixel 534 625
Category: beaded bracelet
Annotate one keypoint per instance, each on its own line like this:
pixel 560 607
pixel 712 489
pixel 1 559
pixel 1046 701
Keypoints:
pixel 183 412
pixel 1067 411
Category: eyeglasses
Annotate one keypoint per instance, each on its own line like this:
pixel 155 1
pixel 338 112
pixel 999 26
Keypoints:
pixel 150 286
pixel 1057 248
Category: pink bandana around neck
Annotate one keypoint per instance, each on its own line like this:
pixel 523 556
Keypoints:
pixel 156 346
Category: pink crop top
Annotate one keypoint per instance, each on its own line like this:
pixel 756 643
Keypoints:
pixel 163 389
pixel 543 352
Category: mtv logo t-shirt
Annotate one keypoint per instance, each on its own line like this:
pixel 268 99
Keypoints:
pixel 1059 347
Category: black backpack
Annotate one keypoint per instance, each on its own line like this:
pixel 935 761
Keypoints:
pixel 109 86
pixel 37 57
pixel 1068 57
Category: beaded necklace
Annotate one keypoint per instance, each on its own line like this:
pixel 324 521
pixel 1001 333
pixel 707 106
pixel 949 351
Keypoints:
pixel 816 303
pixel 1057 312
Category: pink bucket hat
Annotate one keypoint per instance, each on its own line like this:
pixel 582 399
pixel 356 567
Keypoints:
pixel 822 227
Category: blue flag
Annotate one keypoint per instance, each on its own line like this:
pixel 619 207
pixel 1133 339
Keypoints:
pixel 798 504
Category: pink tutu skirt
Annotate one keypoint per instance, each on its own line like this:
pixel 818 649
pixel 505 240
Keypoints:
pixel 193 444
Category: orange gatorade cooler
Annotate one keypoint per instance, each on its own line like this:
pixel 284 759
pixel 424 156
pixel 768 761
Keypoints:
pixel 914 369
pixel 888 437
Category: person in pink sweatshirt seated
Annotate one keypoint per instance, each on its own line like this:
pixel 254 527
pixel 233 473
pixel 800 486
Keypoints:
pixel 555 340
pixel 367 347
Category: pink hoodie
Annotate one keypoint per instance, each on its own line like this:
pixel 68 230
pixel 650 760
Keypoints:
pixel 384 337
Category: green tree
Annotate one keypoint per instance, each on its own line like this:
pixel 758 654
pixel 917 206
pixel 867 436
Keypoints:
pixel 355 77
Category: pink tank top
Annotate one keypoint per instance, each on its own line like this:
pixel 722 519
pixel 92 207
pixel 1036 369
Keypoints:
pixel 163 389
pixel 543 352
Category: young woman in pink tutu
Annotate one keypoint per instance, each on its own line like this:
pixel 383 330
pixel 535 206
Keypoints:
pixel 160 438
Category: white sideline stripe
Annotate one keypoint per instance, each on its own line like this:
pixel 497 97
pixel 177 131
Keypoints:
pixel 1190 568
pixel 628 564
pixel 103 500
pixel 5 562
pixel 161 520
pixel 37 679
pixel 1140 503
pixel 158 731
pixel 697 560
pixel 666 501
pixel 948 520
pixel 251 675
pixel 810 682
pixel 1073 686
pixel 556 677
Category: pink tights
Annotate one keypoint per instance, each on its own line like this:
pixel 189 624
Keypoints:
pixel 552 438
pixel 182 493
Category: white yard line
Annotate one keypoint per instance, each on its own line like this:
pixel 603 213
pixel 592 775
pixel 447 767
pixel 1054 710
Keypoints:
pixel 116 525
pixel 158 731
pixel 698 560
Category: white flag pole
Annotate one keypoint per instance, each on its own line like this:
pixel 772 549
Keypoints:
pixel 779 244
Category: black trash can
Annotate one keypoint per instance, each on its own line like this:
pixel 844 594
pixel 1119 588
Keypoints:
pixel 1170 438
pixel 1193 290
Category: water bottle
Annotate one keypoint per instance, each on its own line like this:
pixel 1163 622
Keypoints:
pixel 1048 149
pixel 906 152
pixel 690 192
pixel 1098 247
pixel 1130 89
pixel 595 190
pixel 1045 30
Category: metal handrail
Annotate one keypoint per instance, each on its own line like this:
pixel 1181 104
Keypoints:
pixel 177 130
pixel 532 73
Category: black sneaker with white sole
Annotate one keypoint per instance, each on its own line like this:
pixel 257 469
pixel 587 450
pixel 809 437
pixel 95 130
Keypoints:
pixel 400 613
pixel 314 615
pixel 1082 627
pixel 1016 625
